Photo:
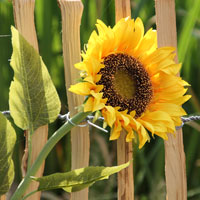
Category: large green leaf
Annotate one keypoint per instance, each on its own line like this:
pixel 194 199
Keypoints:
pixel 7 143
pixel 77 179
pixel 33 99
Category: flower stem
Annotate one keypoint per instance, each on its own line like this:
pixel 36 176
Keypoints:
pixel 63 130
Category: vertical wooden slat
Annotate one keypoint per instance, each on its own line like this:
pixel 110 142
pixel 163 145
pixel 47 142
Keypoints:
pixel 24 21
pixel 174 151
pixel 125 177
pixel 122 9
pixel 3 197
pixel 71 11
pixel 124 149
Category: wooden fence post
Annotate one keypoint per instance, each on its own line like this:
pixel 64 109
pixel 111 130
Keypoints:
pixel 124 149
pixel 71 11
pixel 174 151
pixel 24 22
pixel 3 197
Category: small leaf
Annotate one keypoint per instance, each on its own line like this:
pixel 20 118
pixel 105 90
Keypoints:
pixel 33 99
pixel 77 179
pixel 7 143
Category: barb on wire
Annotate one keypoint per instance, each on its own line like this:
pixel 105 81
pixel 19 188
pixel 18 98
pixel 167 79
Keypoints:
pixel 70 121
pixel 6 113
pixel 87 121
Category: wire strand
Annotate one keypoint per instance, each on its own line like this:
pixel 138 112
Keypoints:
pixel 87 121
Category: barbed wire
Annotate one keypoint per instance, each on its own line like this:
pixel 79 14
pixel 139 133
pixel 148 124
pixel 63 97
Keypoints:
pixel 87 121
pixel 190 118
pixel 7 112
pixel 89 118
pixel 1 36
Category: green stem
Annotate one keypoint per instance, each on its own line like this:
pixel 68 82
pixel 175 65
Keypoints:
pixel 29 194
pixel 29 135
pixel 44 153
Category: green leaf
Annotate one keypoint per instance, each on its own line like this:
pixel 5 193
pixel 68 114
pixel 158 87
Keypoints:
pixel 33 99
pixel 187 28
pixel 77 179
pixel 7 143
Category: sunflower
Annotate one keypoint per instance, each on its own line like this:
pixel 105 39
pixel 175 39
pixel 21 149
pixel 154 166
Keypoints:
pixel 131 81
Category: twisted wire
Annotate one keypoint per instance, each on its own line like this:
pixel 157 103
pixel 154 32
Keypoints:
pixel 87 121
pixel 190 118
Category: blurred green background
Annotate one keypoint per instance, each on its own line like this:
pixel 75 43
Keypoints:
pixel 148 162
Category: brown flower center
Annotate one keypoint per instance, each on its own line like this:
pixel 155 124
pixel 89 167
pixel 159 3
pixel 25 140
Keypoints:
pixel 126 83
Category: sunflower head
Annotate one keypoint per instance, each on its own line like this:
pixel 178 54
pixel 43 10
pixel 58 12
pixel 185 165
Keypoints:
pixel 131 81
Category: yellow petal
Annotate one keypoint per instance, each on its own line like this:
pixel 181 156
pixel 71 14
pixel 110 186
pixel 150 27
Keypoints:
pixel 164 80
pixel 135 124
pixel 103 30
pixel 157 67
pixel 98 88
pixel 91 79
pixel 148 44
pixel 172 69
pixel 109 115
pixel 93 38
pixel 147 125
pixel 106 39
pixel 163 135
pixel 82 88
pixel 143 137
pixel 116 131
pixel 130 135
pixel 138 30
pixel 122 30
pixel 169 108
pixel 169 94
pixel 161 121
pixel 94 103
pixel 88 106
pixel 92 66
pixel 94 50
pixel 180 100
pixel 156 115
pixel 80 66
pixel 98 102
pixel 177 120
pixel 158 55
pixel 123 118
pixel 132 113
